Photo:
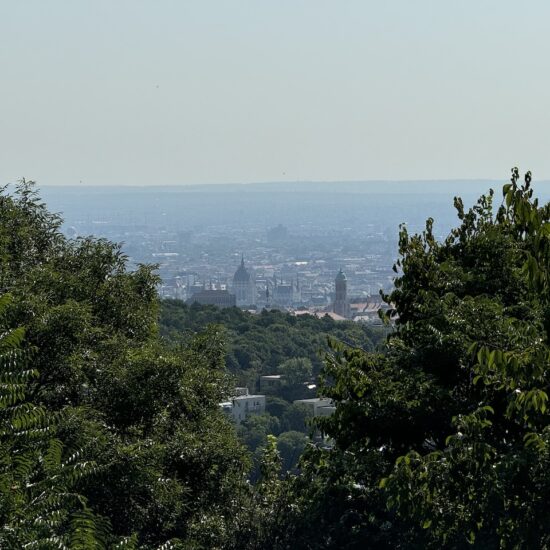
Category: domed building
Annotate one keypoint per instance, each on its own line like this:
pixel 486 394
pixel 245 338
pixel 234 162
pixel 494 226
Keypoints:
pixel 341 304
pixel 244 286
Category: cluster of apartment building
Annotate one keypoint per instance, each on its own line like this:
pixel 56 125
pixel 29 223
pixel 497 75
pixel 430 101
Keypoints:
pixel 243 404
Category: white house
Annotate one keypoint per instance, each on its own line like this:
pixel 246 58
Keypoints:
pixel 241 406
pixel 320 406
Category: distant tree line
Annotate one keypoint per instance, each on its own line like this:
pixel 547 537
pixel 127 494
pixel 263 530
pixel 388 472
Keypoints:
pixel 259 344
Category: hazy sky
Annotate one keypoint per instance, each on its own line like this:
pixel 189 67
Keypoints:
pixel 166 92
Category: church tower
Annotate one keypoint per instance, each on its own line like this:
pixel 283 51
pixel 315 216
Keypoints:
pixel 244 287
pixel 341 304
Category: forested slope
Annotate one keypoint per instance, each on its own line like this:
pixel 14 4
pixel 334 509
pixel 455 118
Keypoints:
pixel 259 343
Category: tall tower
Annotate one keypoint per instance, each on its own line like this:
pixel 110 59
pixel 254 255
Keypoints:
pixel 341 305
pixel 298 293
pixel 244 286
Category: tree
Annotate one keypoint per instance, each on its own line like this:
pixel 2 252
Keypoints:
pixel 290 446
pixel 258 344
pixel 276 406
pixel 488 481
pixel 296 418
pixel 143 412
pixel 297 370
pixel 255 429
pixel 39 502
pixel 443 440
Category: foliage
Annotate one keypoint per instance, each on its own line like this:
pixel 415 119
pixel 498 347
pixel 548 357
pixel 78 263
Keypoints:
pixel 443 440
pixel 297 418
pixel 276 406
pixel 290 446
pixel 259 344
pixel 143 415
pixel 297 370
pixel 112 436
pixel 256 429
pixel 39 503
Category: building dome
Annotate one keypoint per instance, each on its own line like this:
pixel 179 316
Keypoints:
pixel 241 275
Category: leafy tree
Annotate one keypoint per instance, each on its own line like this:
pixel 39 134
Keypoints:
pixel 296 418
pixel 142 412
pixel 297 370
pixel 276 406
pixel 255 429
pixel 39 502
pixel 443 440
pixel 261 525
pixel 489 481
pixel 258 344
pixel 290 446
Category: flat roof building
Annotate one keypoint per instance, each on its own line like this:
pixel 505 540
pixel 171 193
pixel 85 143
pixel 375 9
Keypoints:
pixel 218 298
pixel 241 406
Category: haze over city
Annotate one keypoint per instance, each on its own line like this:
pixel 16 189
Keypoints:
pixel 154 93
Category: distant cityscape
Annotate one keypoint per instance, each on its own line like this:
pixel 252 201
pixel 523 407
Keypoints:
pixel 273 273
pixel 261 246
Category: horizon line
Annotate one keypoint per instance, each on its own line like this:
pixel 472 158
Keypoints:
pixel 287 182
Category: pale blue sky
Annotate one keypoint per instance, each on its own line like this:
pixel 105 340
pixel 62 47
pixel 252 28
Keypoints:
pixel 171 91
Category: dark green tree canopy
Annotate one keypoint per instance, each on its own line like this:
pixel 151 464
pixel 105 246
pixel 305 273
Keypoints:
pixel 111 434
pixel 143 413
pixel 443 440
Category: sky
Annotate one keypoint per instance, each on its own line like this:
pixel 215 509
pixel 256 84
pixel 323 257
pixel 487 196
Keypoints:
pixel 163 92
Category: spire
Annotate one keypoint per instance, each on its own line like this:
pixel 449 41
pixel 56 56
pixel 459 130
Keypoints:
pixel 242 275
pixel 341 276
